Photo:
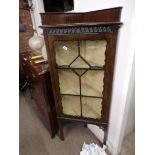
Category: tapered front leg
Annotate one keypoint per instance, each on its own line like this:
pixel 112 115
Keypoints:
pixel 61 129
pixel 85 125
pixel 105 135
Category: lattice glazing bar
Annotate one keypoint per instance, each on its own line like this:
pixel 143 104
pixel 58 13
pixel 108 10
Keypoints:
pixel 81 85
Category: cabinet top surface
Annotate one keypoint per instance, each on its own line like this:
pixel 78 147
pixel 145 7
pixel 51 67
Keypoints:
pixel 104 17
pixel 82 24
pixel 72 13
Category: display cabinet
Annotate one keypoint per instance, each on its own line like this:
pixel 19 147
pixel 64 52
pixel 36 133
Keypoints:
pixel 81 53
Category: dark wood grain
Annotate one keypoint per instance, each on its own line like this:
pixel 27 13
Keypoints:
pixel 106 15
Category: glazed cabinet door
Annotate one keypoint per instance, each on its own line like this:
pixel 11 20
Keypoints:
pixel 82 67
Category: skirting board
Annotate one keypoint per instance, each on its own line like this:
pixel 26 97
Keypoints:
pixel 99 133
pixel 111 149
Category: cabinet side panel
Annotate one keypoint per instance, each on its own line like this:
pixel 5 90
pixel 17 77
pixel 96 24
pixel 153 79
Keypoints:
pixel 109 69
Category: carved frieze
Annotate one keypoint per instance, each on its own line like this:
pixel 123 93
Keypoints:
pixel 80 29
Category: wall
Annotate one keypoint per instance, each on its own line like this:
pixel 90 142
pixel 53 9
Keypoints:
pixel 130 105
pixel 123 64
pixel 128 122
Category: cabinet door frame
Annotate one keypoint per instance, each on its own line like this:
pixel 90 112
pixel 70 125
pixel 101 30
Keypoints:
pixel 111 39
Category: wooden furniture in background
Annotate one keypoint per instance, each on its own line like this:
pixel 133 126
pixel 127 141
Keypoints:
pixel 81 53
pixel 38 78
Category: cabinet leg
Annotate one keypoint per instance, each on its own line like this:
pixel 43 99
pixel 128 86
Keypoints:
pixel 61 130
pixel 105 136
pixel 85 125
pixel 30 89
pixel 52 125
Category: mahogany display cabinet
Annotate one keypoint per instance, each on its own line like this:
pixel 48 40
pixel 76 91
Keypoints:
pixel 81 52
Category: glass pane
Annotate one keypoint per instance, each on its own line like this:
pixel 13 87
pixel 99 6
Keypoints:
pixel 68 82
pixel 94 52
pixel 91 107
pixel 92 83
pixel 79 63
pixel 66 52
pixel 71 105
pixel 76 55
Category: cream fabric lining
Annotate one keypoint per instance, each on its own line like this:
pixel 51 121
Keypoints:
pixel 71 105
pixel 91 82
pixel 91 107
pixel 66 52
pixel 92 51
pixel 68 82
